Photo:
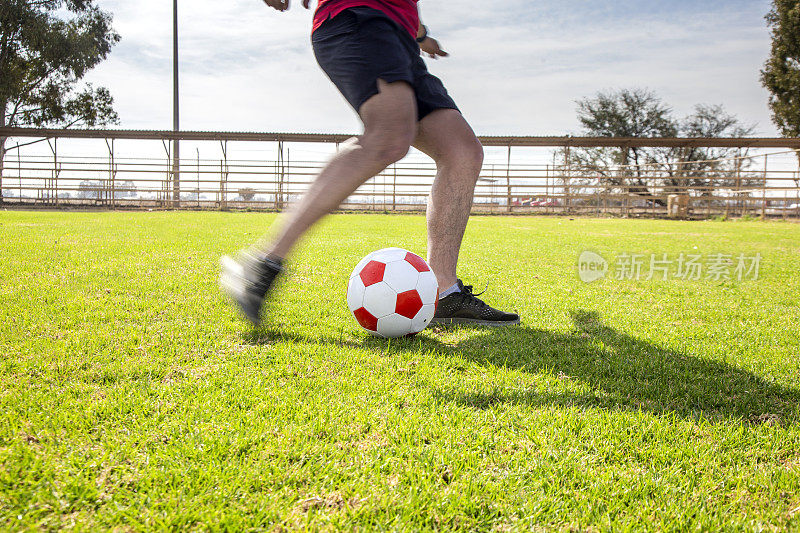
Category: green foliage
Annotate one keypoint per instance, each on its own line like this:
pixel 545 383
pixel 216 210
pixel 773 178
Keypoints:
pixel 626 113
pixel 46 47
pixel 134 399
pixel 781 73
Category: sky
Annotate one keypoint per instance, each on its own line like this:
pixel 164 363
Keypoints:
pixel 517 67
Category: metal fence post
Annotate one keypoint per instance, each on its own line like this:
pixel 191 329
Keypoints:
pixel 51 186
pixel 287 177
pixel 508 179
pixel 198 177
pixel 625 206
pixel 161 198
pixel 111 173
pixel 764 190
pixel 740 204
pixel 279 195
pixel 223 175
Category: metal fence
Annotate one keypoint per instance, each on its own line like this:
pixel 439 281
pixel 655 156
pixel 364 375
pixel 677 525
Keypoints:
pixel 525 175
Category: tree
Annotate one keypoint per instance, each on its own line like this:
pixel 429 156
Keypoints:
pixel 626 113
pixel 623 113
pixel 124 189
pixel 702 169
pixel 781 74
pixel 247 194
pixel 641 113
pixel 46 48
pixel 90 189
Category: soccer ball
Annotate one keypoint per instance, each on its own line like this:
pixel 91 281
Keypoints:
pixel 393 293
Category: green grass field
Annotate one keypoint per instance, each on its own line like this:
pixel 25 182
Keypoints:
pixel 133 398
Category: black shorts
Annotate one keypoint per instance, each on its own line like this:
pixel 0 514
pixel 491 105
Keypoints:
pixel 361 45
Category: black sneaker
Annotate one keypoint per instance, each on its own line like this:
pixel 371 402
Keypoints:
pixel 246 280
pixel 464 307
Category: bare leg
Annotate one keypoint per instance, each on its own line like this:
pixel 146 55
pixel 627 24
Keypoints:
pixel 390 125
pixel 446 137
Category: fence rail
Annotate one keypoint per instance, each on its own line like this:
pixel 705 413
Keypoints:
pixel 45 174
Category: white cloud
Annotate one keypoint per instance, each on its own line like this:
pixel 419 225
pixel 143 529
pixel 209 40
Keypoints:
pixel 516 68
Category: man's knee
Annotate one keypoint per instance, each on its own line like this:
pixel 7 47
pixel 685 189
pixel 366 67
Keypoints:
pixel 476 154
pixel 466 154
pixel 388 148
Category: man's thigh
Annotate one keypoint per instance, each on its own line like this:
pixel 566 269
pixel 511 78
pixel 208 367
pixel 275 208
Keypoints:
pixel 393 111
pixel 444 132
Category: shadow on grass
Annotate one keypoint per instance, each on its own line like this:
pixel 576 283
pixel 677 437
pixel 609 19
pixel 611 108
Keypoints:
pixel 626 373
pixel 623 372
pixel 266 336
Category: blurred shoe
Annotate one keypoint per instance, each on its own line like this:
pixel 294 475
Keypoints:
pixel 247 280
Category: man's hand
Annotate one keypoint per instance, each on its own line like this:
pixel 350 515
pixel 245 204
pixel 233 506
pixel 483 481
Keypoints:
pixel 431 47
pixel 283 5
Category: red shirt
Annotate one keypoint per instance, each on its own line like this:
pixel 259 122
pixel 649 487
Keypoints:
pixel 404 12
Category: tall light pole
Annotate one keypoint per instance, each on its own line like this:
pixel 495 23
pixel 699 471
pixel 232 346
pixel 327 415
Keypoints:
pixel 176 121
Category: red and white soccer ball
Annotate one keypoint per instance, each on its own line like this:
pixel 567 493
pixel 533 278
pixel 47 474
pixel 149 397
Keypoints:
pixel 393 293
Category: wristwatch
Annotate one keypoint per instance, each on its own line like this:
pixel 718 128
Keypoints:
pixel 424 34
